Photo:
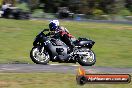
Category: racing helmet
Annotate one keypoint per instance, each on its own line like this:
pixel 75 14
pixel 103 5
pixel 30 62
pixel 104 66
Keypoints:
pixel 53 25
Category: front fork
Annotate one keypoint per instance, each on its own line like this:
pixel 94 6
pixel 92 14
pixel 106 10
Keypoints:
pixel 41 49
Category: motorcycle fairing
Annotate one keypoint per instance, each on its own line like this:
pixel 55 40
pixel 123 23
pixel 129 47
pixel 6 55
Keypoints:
pixel 57 49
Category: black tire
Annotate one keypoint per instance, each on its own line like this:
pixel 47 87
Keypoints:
pixel 35 60
pixel 81 80
pixel 83 63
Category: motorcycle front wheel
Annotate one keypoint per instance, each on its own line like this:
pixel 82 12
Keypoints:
pixel 38 57
pixel 88 59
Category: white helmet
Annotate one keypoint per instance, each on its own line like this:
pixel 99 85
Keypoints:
pixel 53 25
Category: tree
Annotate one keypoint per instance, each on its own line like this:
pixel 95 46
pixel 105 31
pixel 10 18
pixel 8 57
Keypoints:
pixel 52 5
pixel 33 4
pixel 9 1
pixel 82 6
pixel 111 6
pixel 128 4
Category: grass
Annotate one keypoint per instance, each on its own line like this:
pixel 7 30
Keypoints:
pixel 113 45
pixel 48 80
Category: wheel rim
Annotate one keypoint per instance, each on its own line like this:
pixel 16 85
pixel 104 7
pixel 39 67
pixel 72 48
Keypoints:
pixel 90 57
pixel 41 57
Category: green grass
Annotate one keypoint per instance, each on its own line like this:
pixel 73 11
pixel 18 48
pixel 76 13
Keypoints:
pixel 48 80
pixel 113 45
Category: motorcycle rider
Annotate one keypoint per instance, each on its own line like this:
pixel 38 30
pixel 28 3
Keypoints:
pixel 61 32
pixel 55 28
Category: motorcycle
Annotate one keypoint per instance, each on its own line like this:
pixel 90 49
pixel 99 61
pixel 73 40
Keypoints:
pixel 47 48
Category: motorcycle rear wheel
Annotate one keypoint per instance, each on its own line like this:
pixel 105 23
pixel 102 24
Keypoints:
pixel 38 57
pixel 87 60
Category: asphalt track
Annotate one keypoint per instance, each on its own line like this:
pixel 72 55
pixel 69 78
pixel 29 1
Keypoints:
pixel 90 20
pixel 33 68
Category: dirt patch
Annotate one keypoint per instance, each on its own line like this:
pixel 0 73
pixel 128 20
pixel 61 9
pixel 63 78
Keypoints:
pixel 3 84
